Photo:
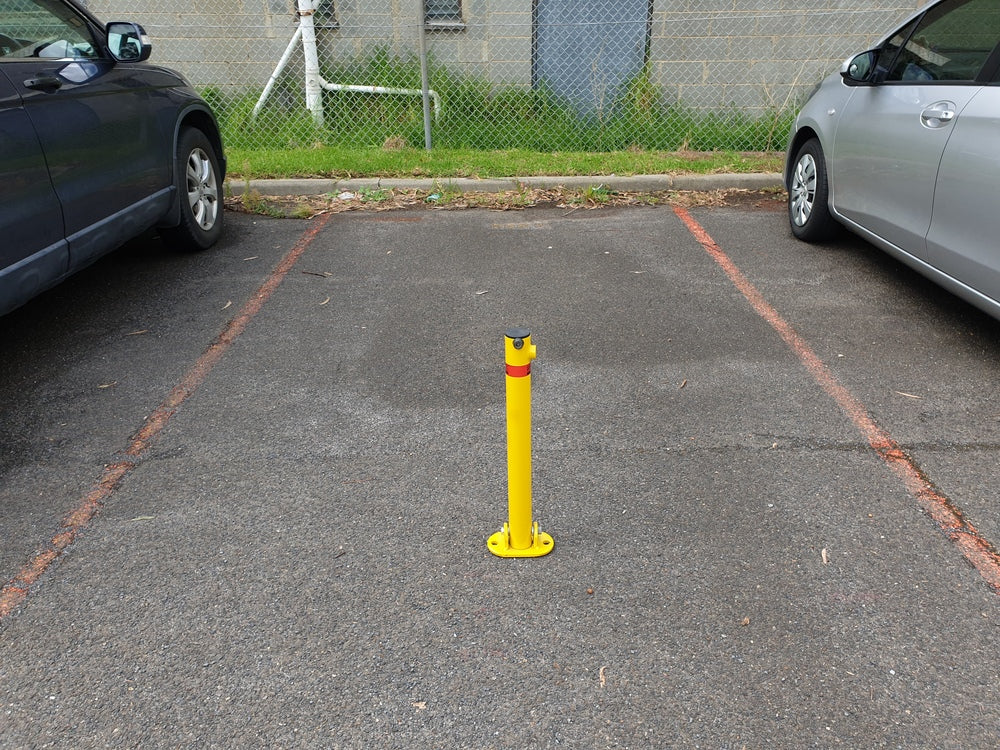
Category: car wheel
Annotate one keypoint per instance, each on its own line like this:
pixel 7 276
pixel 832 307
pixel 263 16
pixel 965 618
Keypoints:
pixel 200 194
pixel 808 195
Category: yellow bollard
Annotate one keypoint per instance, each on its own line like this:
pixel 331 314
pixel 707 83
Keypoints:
pixel 520 537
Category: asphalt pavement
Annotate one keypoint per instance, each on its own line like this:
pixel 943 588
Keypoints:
pixel 278 463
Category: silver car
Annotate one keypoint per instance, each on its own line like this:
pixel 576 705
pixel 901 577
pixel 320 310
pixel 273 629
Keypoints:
pixel 903 148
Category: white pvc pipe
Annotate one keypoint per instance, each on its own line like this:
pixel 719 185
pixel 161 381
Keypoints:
pixel 314 83
pixel 278 71
pixel 306 32
pixel 386 90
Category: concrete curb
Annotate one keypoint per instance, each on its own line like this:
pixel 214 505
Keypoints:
pixel 635 184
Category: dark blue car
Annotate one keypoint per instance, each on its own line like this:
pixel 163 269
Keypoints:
pixel 96 147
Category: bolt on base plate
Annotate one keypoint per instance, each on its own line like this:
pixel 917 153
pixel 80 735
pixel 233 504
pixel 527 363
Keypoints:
pixel 541 544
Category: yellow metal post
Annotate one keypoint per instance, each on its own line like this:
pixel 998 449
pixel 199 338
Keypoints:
pixel 520 536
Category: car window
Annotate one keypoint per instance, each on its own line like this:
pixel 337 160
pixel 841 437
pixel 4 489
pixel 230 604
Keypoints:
pixel 951 42
pixel 39 28
pixel 887 54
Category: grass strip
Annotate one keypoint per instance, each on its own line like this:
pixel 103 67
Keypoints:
pixel 344 162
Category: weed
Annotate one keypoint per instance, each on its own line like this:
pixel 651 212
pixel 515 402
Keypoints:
pixel 596 194
pixel 523 197
pixel 253 202
pixel 477 114
pixel 446 193
pixel 377 195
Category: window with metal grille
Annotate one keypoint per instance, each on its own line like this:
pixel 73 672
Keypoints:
pixel 448 12
pixel 326 15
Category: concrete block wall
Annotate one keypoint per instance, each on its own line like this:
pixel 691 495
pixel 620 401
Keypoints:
pixel 226 43
pixel 759 54
pixel 755 55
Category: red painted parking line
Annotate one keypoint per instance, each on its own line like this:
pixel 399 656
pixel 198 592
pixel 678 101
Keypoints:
pixel 974 546
pixel 17 590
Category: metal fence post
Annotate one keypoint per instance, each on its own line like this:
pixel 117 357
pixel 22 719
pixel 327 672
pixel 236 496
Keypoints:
pixel 424 76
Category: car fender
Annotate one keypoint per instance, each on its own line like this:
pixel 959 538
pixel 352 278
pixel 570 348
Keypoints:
pixel 194 115
pixel 819 118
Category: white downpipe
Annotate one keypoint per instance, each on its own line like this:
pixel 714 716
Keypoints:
pixel 314 83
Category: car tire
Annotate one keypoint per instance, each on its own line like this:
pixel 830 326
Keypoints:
pixel 199 191
pixel 808 195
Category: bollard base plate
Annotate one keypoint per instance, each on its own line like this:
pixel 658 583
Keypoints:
pixel 541 544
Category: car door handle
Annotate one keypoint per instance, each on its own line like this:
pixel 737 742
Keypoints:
pixel 44 83
pixel 938 115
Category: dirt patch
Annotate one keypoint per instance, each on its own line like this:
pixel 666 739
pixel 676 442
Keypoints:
pixel 304 207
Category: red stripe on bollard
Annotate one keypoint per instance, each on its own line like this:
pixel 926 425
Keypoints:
pixel 518 371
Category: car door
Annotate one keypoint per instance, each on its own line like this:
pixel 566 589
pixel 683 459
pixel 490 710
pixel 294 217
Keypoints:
pixel 891 135
pixel 965 223
pixel 32 249
pixel 106 158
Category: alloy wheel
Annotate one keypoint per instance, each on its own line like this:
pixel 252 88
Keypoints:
pixel 803 189
pixel 202 189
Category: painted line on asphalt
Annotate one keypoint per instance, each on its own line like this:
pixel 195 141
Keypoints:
pixel 18 588
pixel 978 550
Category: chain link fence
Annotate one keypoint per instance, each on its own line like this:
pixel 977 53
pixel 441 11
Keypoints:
pixel 549 75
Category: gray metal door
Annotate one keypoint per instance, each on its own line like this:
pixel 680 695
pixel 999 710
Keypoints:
pixel 586 51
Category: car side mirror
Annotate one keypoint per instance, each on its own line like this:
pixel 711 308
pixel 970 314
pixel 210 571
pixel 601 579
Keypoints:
pixel 128 42
pixel 859 69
